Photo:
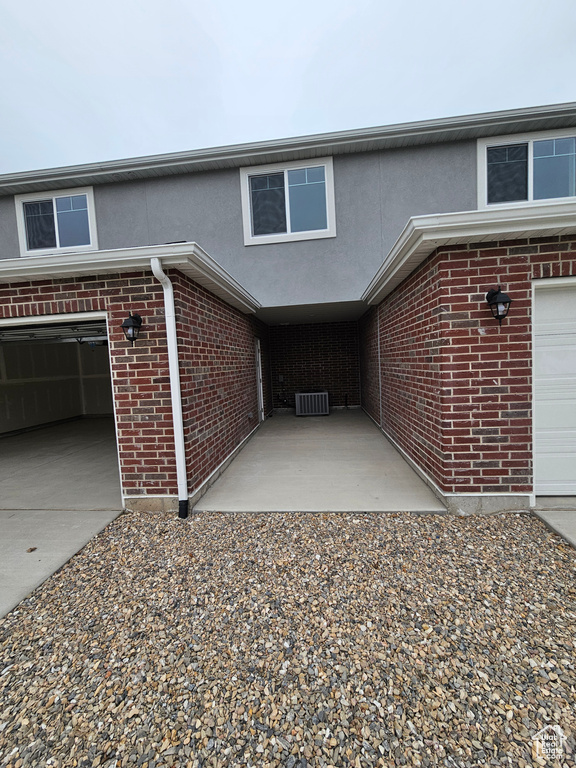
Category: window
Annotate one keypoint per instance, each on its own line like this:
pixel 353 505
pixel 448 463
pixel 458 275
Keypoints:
pixel 293 201
pixel 527 169
pixel 507 173
pixel 56 222
pixel 554 166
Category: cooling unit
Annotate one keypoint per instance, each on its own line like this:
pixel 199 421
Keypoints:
pixel 312 404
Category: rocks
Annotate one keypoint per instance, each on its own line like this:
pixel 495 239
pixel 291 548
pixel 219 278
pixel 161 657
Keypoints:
pixel 294 640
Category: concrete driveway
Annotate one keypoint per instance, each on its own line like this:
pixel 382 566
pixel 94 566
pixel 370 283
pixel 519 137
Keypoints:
pixel 36 543
pixel 59 486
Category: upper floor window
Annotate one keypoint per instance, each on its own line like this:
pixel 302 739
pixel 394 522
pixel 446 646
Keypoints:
pixel 527 169
pixel 290 201
pixel 55 222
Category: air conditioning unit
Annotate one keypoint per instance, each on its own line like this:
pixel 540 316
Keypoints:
pixel 312 404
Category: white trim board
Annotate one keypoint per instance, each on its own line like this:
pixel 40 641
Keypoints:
pixel 189 258
pixel 339 142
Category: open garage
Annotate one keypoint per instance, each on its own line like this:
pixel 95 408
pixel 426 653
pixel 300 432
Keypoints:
pixel 57 434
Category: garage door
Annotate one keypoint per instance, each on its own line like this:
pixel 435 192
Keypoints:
pixel 555 390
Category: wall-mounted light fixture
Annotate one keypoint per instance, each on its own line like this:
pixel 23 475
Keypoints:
pixel 499 303
pixel 131 327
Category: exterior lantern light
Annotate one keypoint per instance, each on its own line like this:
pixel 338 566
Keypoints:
pixel 131 327
pixel 499 303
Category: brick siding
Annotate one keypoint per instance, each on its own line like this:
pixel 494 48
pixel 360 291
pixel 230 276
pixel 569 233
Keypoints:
pixel 218 376
pixel 369 360
pixel 449 385
pixel 216 346
pixel 455 388
pixel 315 356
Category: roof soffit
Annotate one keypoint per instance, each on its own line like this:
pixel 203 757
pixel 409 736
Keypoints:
pixel 421 236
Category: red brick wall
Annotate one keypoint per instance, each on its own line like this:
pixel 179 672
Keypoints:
pixel 369 359
pixel 407 400
pixel 457 387
pixel 218 376
pixel 315 356
pixel 217 370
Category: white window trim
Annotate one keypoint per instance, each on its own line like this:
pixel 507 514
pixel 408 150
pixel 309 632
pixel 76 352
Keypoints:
pixel 519 138
pixel 19 201
pixel 286 237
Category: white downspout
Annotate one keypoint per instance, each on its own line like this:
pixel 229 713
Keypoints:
pixel 175 391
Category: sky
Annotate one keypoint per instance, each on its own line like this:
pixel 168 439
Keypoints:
pixel 84 82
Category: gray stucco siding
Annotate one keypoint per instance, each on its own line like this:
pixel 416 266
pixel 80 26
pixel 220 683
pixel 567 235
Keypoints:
pixel 204 207
pixel 425 180
pixel 375 195
pixel 121 215
pixel 9 247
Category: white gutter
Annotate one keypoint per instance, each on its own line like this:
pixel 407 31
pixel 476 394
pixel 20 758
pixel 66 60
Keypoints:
pixel 175 390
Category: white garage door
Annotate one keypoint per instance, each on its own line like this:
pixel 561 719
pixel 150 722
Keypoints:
pixel 555 390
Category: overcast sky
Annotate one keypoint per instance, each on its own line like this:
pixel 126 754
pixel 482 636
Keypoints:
pixel 105 79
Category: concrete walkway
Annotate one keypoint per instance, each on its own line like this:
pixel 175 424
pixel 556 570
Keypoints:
pixel 335 463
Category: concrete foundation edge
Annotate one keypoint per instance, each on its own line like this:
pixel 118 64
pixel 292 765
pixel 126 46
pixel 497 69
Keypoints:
pixel 483 504
pixel 151 504
pixel 455 505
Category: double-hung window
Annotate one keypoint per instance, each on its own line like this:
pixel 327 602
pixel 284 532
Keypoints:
pixel 289 201
pixel 541 167
pixel 56 222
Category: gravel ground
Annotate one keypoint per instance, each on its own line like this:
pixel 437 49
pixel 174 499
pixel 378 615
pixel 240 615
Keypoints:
pixel 295 640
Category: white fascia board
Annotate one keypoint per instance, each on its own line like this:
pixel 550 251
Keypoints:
pixel 189 258
pixel 423 234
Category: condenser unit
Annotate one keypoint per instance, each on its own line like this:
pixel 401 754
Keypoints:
pixel 312 404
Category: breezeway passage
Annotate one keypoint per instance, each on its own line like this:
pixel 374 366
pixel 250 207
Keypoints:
pixel 335 463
